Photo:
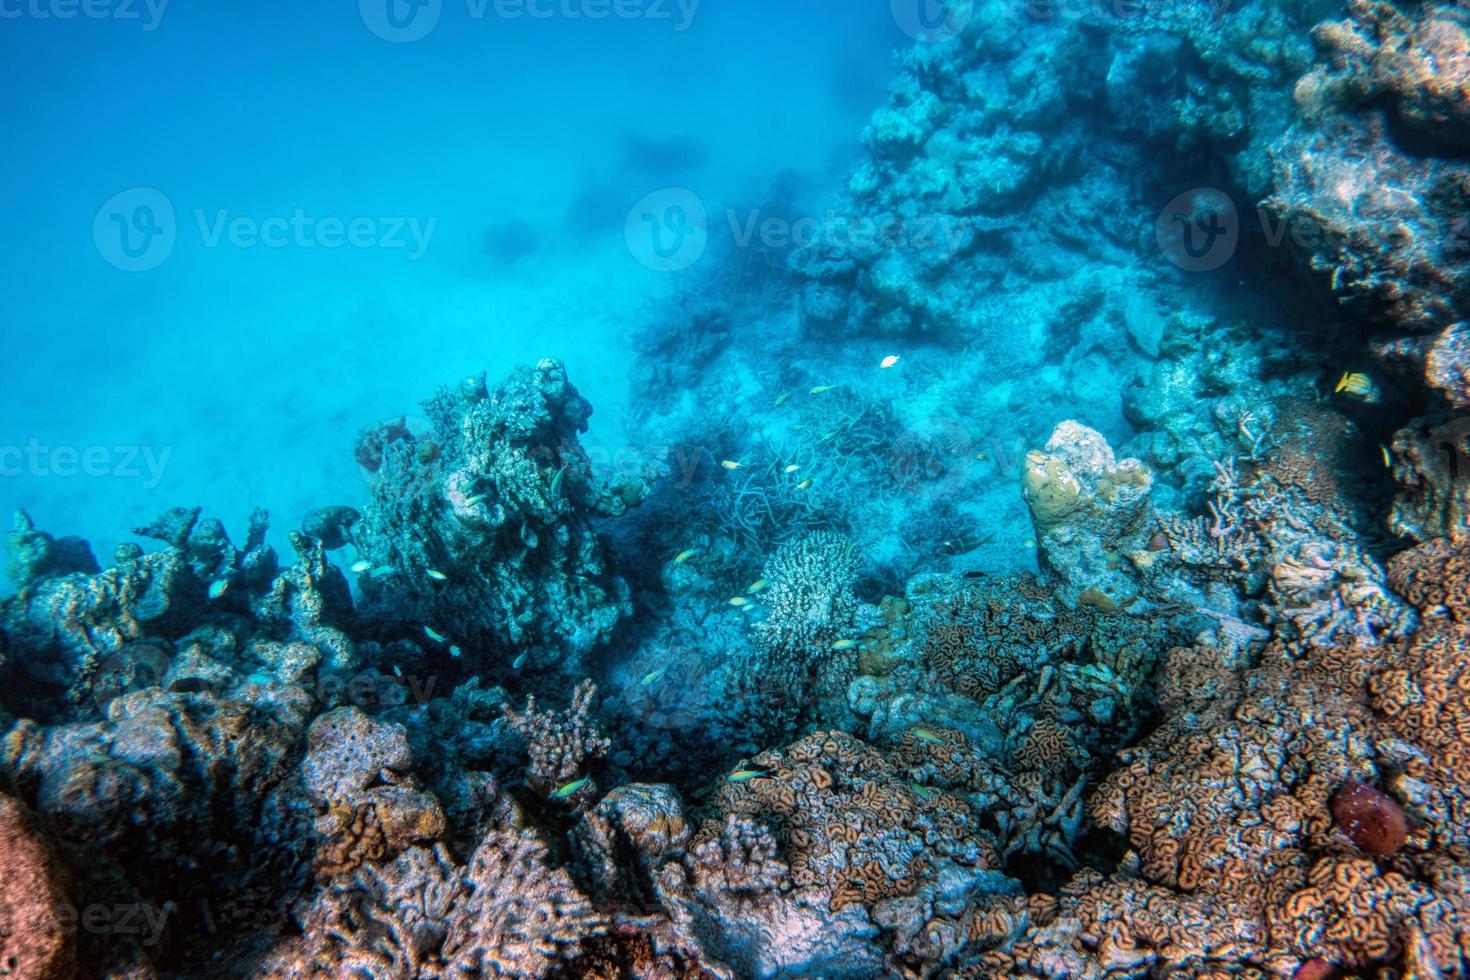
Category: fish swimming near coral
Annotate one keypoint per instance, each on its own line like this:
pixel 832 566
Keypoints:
pixel 437 575
pixel 758 585
pixel 556 480
pixel 844 645
pixel 1359 386
pixel 219 588
pixel 924 735
pixel 739 601
pixel 685 555
pixel 889 361
pixel 966 544
pixel 822 389
pixel 562 792
pixel 781 398
pixel 746 775
pixel 520 661
pixel 359 567
pixel 731 464
pixel 434 634
pixel 653 677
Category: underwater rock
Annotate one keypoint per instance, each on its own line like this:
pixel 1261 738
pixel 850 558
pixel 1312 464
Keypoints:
pixel 1371 181
pixel 1432 468
pixel 32 555
pixel 1090 509
pixel 482 529
pixel 36 941
pixel 359 774
pixel 332 526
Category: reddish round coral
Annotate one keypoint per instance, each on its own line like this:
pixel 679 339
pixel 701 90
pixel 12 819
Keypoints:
pixel 1317 968
pixel 1372 819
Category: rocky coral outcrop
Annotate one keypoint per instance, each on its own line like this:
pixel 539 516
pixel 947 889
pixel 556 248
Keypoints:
pixel 1089 508
pixel 481 528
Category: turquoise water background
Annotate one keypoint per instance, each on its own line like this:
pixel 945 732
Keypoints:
pixel 230 359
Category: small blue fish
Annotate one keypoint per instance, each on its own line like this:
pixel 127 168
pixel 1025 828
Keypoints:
pixel 654 677
pixel 359 567
pixel 437 575
pixel 456 652
pixel 570 788
pixel 520 661
pixel 434 634
pixel 219 588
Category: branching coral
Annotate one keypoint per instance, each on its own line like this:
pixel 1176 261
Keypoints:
pixel 563 745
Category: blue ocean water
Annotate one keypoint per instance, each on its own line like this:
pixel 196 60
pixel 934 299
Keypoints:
pixel 489 168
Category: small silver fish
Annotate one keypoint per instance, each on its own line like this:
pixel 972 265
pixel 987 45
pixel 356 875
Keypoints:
pixel 739 601
pixel 844 644
pixel 437 575
pixel 793 468
pixel 358 567
pixel 757 586
pixel 434 634
pixel 383 571
pixel 219 588
pixel 520 661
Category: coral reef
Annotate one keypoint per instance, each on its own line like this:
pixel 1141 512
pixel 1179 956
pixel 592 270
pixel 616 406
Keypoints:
pixel 481 528
pixel 852 685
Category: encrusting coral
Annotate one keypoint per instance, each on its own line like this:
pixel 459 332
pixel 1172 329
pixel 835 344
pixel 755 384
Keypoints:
pixel 480 528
